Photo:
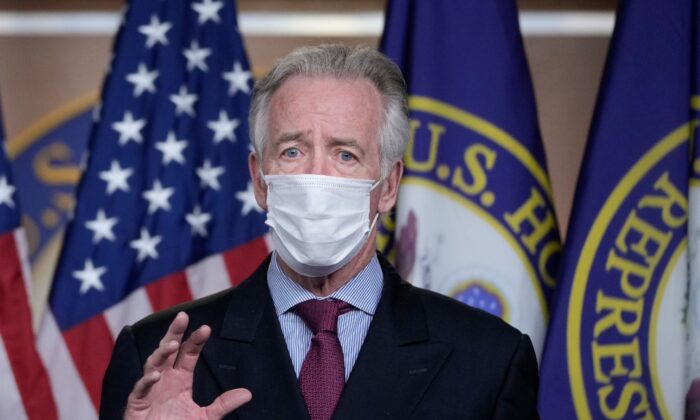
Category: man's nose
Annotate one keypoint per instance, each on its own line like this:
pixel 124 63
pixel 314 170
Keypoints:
pixel 318 164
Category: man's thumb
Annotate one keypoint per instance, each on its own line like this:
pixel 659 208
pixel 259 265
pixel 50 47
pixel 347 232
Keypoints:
pixel 227 402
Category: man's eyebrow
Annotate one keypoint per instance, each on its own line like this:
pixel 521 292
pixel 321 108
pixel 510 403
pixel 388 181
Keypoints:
pixel 289 137
pixel 347 142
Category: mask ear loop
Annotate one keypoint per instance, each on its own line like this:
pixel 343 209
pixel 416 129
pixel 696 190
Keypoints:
pixel 376 184
pixel 374 222
pixel 376 216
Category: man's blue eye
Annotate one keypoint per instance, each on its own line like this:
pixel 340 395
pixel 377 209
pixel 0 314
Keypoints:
pixel 291 152
pixel 346 156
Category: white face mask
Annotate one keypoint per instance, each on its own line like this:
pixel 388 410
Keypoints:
pixel 318 223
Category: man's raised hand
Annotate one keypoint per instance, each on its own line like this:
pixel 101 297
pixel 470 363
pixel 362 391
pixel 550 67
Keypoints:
pixel 165 390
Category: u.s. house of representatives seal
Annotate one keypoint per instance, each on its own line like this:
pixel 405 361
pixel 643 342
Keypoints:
pixel 474 218
pixel 625 332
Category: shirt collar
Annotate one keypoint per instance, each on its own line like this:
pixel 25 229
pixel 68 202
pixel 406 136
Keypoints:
pixel 362 291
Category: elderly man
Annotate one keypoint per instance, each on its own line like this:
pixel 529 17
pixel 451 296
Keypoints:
pixel 324 327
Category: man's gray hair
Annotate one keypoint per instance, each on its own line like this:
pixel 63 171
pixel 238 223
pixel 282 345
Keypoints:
pixel 340 62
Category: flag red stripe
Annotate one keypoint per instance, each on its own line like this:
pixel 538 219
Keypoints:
pixel 16 329
pixel 242 260
pixel 168 291
pixel 90 344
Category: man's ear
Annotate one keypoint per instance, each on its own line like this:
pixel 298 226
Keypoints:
pixel 259 187
pixel 390 188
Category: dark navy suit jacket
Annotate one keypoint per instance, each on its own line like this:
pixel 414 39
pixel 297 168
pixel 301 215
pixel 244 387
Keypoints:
pixel 425 356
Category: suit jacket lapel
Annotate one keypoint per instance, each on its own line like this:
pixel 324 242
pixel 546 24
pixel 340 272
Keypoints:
pixel 396 365
pixel 397 362
pixel 249 351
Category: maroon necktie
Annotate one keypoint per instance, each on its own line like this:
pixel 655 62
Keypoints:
pixel 322 376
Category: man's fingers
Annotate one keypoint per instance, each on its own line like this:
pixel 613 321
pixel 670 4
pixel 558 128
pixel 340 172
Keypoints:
pixel 177 328
pixel 162 357
pixel 191 348
pixel 227 402
pixel 144 385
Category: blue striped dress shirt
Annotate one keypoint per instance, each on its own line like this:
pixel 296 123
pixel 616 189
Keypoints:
pixel 362 292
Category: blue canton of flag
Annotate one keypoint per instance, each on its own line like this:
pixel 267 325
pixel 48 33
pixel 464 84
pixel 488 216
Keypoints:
pixel 166 186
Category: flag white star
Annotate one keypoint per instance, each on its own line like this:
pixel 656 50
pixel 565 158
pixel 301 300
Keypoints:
pixel 102 227
pixel 143 80
pixel 184 101
pixel 195 56
pixel 155 31
pixel 6 191
pixel 146 245
pixel 223 128
pixel 116 178
pixel 198 221
pixel 129 129
pixel 208 10
pixel 247 199
pixel 89 277
pixel 238 79
pixel 172 149
pixel 158 197
pixel 209 175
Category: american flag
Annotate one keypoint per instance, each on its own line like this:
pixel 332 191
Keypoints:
pixel 165 208
pixel 24 384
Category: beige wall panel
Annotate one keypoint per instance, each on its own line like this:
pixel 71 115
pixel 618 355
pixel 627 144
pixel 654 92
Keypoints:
pixel 40 74
pixel 566 75
pixel 263 51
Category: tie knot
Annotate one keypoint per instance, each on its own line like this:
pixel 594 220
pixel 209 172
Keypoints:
pixel 321 315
